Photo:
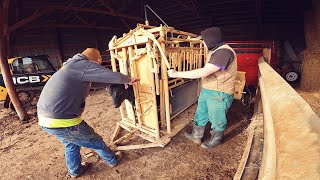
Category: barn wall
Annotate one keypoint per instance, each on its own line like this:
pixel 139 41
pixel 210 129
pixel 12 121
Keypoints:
pixel 269 31
pixel 44 42
pixel 311 62
pixel 39 42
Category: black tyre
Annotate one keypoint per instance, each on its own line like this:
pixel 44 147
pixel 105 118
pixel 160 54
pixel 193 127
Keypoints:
pixel 291 76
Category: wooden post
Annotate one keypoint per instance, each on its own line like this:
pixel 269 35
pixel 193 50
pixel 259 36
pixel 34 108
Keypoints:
pixel 114 69
pixel 153 87
pixel 113 61
pixel 164 75
pixel 129 107
pixel 135 86
pixel 4 63
pixel 60 46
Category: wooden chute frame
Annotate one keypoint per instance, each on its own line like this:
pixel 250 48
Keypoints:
pixel 147 52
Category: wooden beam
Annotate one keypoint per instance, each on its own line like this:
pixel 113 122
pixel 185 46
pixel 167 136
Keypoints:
pixel 80 18
pixel 186 6
pixel 60 46
pixel 74 26
pixel 105 4
pixel 164 77
pixel 84 3
pixel 34 46
pixel 194 9
pixel 87 10
pixel 129 4
pixel 243 7
pixel 72 13
pixel 215 3
pixel 138 146
pixel 28 19
pixel 232 23
pixel 183 4
pixel 101 12
pixel 5 70
pixel 188 19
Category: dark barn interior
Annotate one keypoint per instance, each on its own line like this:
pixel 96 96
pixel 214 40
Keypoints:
pixel 63 28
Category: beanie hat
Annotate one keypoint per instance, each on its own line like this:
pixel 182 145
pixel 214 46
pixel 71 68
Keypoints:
pixel 212 37
pixel 92 54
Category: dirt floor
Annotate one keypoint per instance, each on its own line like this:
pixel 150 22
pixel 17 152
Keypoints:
pixel 27 152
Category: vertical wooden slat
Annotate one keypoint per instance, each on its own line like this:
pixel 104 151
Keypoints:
pixel 113 61
pixel 200 55
pixel 156 76
pixel 179 60
pixel 125 71
pixel 135 85
pixel 114 69
pixel 162 108
pixel 164 74
pixel 154 103
pixel 191 56
pixel 184 60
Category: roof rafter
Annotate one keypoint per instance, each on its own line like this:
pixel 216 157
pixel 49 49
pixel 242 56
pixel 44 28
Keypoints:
pixel 73 26
pixel 104 3
pixel 88 10
pixel 27 20
pixel 192 8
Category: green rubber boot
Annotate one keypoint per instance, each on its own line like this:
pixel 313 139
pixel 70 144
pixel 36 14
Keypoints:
pixel 216 139
pixel 196 134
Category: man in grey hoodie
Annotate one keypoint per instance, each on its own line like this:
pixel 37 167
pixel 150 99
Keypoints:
pixel 62 102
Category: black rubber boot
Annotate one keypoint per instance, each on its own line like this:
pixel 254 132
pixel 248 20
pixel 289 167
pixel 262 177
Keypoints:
pixel 216 139
pixel 196 134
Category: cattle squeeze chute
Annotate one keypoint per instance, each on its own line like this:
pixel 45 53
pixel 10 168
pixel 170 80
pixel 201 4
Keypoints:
pixel 147 52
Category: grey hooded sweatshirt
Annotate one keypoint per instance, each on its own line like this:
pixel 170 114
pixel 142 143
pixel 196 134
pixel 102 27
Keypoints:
pixel 63 96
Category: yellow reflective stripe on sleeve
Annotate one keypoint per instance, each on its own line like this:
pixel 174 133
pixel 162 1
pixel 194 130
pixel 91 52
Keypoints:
pixel 58 123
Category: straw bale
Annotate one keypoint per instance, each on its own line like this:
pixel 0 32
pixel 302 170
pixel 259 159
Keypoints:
pixel 310 80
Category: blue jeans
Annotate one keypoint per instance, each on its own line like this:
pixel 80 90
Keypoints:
pixel 81 135
pixel 213 107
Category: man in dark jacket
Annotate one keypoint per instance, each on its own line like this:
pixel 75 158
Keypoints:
pixel 218 80
pixel 62 102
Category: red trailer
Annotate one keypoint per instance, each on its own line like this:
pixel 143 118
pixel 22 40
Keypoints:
pixel 248 54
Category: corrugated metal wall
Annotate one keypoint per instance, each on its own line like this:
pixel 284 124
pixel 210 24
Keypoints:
pixel 44 42
pixel 36 42
pixel 52 52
